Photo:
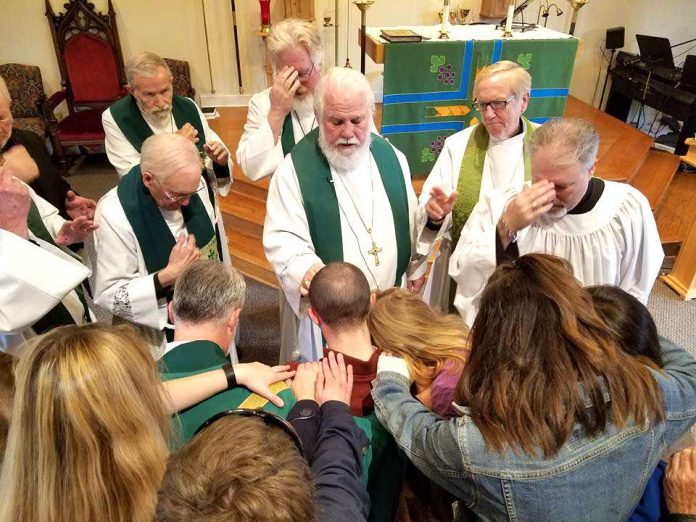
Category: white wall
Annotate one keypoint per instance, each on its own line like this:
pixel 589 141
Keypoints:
pixel 174 28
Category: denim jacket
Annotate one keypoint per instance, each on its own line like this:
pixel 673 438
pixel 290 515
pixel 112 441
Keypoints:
pixel 594 479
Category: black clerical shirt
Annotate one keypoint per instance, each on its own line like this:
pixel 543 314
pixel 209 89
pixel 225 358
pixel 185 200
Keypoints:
pixel 594 191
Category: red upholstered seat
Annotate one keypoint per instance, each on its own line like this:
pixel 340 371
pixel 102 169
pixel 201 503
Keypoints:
pixel 82 126
pixel 92 69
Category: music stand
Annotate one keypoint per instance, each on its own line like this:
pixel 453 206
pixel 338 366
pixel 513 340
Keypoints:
pixel 518 26
pixel 655 50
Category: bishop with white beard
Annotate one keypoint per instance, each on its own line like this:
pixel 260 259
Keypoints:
pixel 340 195
pixel 606 230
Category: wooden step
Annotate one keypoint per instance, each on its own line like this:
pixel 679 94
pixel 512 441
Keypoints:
pixel 655 175
pixel 255 189
pixel 622 148
pixel 248 255
pixel 244 213
pixel 678 211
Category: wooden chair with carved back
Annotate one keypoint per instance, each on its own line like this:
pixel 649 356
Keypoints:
pixel 92 77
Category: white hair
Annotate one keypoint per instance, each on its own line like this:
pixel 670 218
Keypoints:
pixel 293 31
pixel 520 79
pixel 163 154
pixel 342 79
pixel 144 65
pixel 4 91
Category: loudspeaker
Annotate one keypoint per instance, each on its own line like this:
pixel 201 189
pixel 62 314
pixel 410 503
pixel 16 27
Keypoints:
pixel 615 38
pixel 688 76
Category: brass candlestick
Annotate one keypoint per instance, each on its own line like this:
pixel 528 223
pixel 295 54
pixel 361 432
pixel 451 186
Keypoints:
pixel 576 5
pixel 363 5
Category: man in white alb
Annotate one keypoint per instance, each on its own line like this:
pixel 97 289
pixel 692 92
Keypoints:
pixel 282 115
pixel 606 230
pixel 473 162
pixel 40 280
pixel 340 195
pixel 153 225
pixel 151 107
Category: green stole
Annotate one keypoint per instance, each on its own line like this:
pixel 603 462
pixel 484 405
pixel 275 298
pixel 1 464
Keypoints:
pixel 59 314
pixel 321 204
pixel 151 230
pixel 471 172
pixel 129 119
pixel 287 136
pixel 196 357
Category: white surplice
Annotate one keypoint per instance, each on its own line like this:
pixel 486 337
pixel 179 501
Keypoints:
pixel 615 243
pixel 503 167
pixel 121 281
pixel 123 156
pixel 258 153
pixel 363 203
pixel 34 277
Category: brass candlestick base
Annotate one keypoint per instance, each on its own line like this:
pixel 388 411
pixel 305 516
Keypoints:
pixel 265 30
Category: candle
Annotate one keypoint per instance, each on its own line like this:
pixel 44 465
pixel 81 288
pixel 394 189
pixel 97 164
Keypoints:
pixel 265 12
pixel 510 16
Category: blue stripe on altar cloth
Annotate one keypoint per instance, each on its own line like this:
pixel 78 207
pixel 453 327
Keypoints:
pixel 543 119
pixel 423 127
pixel 466 69
pixel 497 51
pixel 439 96
pixel 549 93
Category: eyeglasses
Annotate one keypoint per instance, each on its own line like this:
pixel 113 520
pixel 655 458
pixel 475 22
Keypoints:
pixel 305 76
pixel 270 419
pixel 496 105
pixel 180 197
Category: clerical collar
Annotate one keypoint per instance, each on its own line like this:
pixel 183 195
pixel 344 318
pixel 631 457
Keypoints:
pixel 595 188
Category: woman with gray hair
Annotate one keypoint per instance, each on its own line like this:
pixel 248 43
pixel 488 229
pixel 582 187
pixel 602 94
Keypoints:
pixel 605 229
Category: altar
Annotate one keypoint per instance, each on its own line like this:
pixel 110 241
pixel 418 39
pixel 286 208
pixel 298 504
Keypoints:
pixel 428 85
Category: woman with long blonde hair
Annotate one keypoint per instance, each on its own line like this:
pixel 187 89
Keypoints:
pixel 89 433
pixel 432 344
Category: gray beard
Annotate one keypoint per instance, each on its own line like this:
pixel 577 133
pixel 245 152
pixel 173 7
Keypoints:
pixel 550 218
pixel 304 105
pixel 338 160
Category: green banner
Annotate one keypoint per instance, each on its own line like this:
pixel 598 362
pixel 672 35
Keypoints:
pixel 428 88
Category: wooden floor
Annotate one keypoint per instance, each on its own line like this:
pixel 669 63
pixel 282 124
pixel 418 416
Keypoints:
pixel 624 155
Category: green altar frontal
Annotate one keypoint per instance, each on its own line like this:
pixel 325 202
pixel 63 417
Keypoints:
pixel 428 88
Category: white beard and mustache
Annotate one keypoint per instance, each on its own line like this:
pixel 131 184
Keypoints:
pixel 344 160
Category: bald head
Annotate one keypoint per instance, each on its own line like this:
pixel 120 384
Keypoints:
pixel 165 154
pixel 171 170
